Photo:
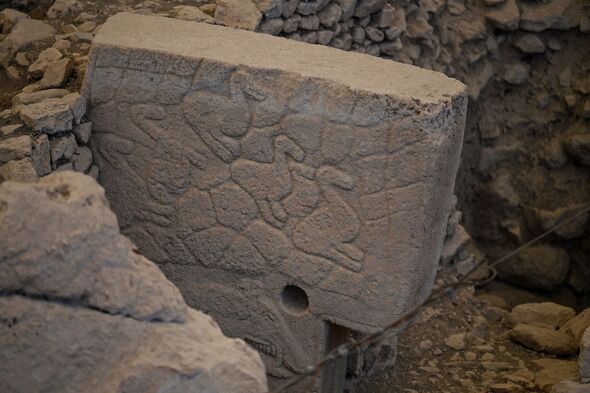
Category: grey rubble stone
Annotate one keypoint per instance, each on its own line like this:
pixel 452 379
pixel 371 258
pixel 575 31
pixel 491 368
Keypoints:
pixel 530 43
pixel 31 98
pixel 568 386
pixel 289 8
pixel 62 148
pixel 77 105
pixel 311 22
pixel 40 155
pixel 543 339
pixel 374 34
pixel 270 8
pixel 548 315
pixel 73 344
pixel 187 12
pixel 553 14
pixel 9 18
pixel 584 358
pixel 24 33
pixel 272 26
pixel 56 73
pixel 325 36
pixel 292 24
pixel 83 159
pixel 258 105
pixel 310 7
pixel 367 7
pixel 18 171
pixel 15 148
pixel 348 7
pixel 66 258
pixel 93 172
pixel 237 13
pixel 537 267
pixel 330 15
pixel 386 17
pixel 49 116
pixel 505 16
pixel 82 132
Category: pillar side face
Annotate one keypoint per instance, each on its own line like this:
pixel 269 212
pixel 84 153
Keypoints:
pixel 279 185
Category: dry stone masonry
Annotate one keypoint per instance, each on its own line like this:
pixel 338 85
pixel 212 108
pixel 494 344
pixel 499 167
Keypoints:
pixel 80 305
pixel 294 192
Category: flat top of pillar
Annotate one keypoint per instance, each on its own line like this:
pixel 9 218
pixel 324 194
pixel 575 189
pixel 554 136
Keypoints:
pixel 200 40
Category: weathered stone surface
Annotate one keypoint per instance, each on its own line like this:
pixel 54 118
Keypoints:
pixel 367 7
pixel 67 258
pixel 548 315
pixel 553 371
pixel 82 132
pixel 18 170
pixel 79 300
pixel 15 148
pixel 578 146
pixel 37 69
pixel 537 267
pixel 56 73
pixel 24 33
pixel 272 180
pixel 575 327
pixel 40 155
pixel 504 16
pixel 237 13
pixel 9 18
pixel 584 358
pixel 49 116
pixel 62 148
pixel 187 12
pixel 543 339
pixel 31 98
pixel 83 159
pixel 552 14
pixel 547 219
pixel 570 387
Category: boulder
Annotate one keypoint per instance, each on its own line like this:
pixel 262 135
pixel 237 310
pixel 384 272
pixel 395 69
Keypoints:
pixel 24 33
pixel 584 358
pixel 543 339
pixel 548 315
pixel 78 301
pixel 537 267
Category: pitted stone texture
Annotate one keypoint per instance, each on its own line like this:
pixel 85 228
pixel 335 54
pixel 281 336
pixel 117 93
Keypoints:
pixel 89 314
pixel 272 186
pixel 53 242
pixel 76 349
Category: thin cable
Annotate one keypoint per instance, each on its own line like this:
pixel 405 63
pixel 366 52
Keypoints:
pixel 436 294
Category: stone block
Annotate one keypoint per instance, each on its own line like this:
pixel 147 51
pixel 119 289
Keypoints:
pixel 290 198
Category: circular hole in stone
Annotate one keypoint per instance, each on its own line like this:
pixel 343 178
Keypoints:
pixel 294 299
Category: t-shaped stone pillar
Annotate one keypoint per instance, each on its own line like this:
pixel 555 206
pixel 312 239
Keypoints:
pixel 295 192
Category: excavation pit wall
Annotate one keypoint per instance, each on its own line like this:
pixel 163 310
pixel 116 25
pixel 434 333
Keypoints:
pixel 291 191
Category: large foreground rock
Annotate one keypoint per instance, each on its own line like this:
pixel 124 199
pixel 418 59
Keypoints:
pixel 83 309
pixel 300 190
